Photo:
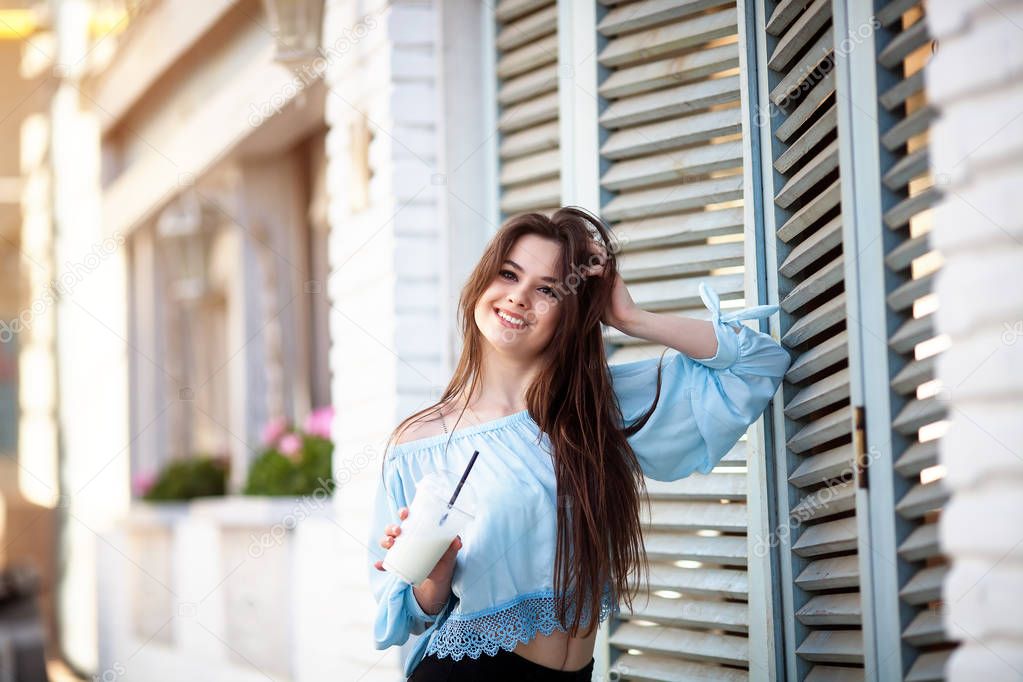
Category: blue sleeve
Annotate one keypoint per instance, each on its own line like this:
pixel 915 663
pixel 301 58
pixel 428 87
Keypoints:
pixel 706 404
pixel 398 613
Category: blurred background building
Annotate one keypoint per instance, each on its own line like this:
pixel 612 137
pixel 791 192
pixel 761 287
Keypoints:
pixel 218 215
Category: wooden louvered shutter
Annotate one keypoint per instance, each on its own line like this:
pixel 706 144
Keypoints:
pixel 817 526
pixel 672 178
pixel 905 407
pixel 527 72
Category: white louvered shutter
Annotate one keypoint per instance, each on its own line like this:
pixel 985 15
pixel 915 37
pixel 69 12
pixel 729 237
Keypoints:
pixel 672 175
pixel 911 265
pixel 527 94
pixel 818 537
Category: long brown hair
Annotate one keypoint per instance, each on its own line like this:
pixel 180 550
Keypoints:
pixel 599 480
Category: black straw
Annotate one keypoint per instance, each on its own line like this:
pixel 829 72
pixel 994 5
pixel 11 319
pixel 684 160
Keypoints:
pixel 458 488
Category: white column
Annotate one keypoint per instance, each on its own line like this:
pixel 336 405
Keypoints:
pixel 976 147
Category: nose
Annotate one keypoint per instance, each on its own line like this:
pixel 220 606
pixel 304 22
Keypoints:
pixel 517 297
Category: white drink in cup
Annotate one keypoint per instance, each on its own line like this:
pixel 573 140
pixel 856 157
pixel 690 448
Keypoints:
pixel 424 538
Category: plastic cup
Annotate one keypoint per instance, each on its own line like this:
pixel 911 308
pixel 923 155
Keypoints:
pixel 424 539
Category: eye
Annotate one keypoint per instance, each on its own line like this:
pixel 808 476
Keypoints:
pixel 508 274
pixel 548 291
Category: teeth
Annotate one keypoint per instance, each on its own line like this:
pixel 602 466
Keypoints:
pixel 511 319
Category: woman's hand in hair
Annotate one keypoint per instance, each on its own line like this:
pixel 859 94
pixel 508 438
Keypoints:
pixel 621 310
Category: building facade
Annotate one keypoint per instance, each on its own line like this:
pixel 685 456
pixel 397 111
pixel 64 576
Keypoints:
pixel 284 233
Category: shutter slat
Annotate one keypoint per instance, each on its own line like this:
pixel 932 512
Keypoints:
pixel 830 274
pixel 828 537
pixel 921 544
pixel 926 629
pixel 531 168
pixel 529 113
pixel 813 248
pixel 903 296
pixel 657 668
pixel 811 103
pixel 669 72
pixel 912 375
pixel 907 41
pixel 729 616
pixel 912 125
pixel 530 140
pixel 826 502
pixel 694 515
pixel 830 574
pixel 897 95
pixel 508 10
pixel 811 60
pixel 922 498
pixel 901 257
pixel 671 134
pixel 808 140
pixel 929 666
pixel 828 673
pixel 899 215
pixel 677 166
pixel 721 583
pixel 662 41
pixel 700 486
pixel 728 550
pixel 532 197
pixel 681 229
pixel 642 203
pixel 676 101
pixel 908 168
pixel 700 646
pixel 646 13
pixel 811 212
pixel 821 394
pixel 916 458
pixel 682 293
pixel 536 82
pixel 528 28
pixel 925 586
pixel 823 467
pixel 918 413
pixel 680 260
pixel 831 609
pixel 799 34
pixel 828 353
pixel 817 320
pixel 913 331
pixel 822 164
pixel 893 11
pixel 528 57
pixel 833 646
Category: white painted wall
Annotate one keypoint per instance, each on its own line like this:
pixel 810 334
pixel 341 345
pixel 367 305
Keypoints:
pixel 387 353
pixel 976 78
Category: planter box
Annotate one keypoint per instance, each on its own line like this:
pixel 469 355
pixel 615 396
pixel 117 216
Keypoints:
pixel 230 588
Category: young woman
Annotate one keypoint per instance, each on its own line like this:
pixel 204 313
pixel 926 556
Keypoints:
pixel 564 441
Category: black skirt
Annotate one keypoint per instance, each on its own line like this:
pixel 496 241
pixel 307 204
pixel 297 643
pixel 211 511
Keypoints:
pixel 506 665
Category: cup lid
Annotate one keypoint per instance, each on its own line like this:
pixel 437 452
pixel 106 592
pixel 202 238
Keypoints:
pixel 443 482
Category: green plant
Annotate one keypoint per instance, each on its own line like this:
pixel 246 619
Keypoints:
pixel 295 463
pixel 184 479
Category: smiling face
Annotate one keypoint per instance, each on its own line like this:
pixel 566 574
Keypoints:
pixel 518 313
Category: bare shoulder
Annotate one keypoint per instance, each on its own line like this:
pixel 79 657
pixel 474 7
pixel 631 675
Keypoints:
pixel 423 427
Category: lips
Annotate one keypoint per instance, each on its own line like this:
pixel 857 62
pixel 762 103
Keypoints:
pixel 510 320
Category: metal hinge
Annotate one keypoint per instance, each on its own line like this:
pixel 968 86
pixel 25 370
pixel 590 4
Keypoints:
pixel 860 446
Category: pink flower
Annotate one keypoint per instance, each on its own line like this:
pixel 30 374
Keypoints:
pixel 142 482
pixel 273 430
pixel 319 420
pixel 290 445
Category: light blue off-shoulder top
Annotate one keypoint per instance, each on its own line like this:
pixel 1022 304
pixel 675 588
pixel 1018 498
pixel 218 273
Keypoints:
pixel 502 588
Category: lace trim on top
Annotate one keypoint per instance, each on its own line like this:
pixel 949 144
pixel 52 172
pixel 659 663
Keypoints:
pixel 505 627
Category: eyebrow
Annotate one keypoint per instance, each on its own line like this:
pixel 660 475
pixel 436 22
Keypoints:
pixel 519 268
